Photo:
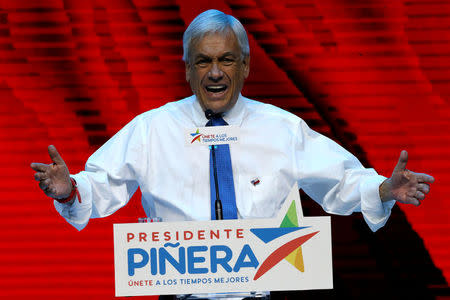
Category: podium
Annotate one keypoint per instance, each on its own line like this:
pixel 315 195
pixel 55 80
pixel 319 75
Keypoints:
pixel 225 258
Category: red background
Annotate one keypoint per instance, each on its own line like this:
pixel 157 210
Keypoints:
pixel 373 75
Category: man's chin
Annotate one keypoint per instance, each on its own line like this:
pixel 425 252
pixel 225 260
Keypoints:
pixel 216 106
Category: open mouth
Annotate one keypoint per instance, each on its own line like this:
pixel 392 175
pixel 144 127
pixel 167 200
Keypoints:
pixel 219 88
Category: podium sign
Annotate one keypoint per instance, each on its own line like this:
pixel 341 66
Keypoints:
pixel 290 252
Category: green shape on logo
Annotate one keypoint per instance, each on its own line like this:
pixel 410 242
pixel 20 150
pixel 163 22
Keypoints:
pixel 290 219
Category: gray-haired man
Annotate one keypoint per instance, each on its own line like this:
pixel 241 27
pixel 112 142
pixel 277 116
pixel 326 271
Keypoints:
pixel 277 149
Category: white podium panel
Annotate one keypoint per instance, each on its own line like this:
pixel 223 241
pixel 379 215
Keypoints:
pixel 290 252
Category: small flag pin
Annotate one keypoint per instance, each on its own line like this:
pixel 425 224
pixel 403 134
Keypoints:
pixel 255 181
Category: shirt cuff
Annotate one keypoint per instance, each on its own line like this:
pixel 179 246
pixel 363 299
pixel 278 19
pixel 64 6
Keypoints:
pixel 375 212
pixel 77 214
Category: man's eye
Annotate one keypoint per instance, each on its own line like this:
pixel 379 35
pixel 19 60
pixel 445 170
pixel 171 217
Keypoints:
pixel 228 61
pixel 202 63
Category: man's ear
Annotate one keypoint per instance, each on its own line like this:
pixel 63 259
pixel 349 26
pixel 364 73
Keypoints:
pixel 246 63
pixel 188 71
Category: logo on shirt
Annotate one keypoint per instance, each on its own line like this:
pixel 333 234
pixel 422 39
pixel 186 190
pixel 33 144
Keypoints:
pixel 196 136
pixel 213 135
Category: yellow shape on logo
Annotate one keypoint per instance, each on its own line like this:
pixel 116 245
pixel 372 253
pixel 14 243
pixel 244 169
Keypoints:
pixel 295 258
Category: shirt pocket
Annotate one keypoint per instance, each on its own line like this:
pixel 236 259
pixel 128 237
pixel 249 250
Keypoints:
pixel 258 196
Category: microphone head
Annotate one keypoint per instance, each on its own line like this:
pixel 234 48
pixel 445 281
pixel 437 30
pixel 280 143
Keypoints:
pixel 209 114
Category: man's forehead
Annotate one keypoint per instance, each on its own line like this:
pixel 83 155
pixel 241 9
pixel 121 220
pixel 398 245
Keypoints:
pixel 216 44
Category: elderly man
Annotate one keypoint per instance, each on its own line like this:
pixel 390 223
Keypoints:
pixel 178 181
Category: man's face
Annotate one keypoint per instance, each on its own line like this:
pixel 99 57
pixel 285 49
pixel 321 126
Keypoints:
pixel 216 71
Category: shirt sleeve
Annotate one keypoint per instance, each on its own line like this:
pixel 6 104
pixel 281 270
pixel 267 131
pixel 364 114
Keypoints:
pixel 111 177
pixel 335 179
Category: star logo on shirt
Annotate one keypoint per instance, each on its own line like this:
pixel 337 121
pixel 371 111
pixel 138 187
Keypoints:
pixel 196 136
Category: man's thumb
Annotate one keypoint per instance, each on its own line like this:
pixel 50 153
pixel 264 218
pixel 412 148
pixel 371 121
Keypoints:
pixel 54 155
pixel 402 160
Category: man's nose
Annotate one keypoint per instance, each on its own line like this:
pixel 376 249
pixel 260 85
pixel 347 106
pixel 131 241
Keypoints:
pixel 215 73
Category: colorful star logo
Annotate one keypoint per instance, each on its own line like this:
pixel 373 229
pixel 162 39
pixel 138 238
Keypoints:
pixel 196 136
pixel 290 251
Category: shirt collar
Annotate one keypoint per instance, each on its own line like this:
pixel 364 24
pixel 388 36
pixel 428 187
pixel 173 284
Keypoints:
pixel 234 116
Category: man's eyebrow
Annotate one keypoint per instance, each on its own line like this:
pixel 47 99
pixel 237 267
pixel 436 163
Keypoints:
pixel 227 54
pixel 203 56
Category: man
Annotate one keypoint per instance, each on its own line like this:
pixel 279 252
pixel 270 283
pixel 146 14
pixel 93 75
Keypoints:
pixel 176 179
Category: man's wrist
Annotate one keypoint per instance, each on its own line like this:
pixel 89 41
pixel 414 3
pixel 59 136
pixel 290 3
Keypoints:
pixel 385 191
pixel 74 192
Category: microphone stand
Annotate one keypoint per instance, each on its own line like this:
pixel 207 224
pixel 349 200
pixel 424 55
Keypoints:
pixel 218 203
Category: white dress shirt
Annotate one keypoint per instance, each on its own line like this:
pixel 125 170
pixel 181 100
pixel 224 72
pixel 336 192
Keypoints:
pixel 276 147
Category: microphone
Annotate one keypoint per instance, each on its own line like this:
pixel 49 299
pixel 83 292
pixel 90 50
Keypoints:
pixel 209 114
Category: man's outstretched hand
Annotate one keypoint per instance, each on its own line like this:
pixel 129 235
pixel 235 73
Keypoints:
pixel 54 179
pixel 404 185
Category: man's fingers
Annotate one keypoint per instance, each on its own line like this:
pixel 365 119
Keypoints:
pixel 39 176
pixel 38 167
pixel 44 185
pixel 54 155
pixel 412 200
pixel 424 188
pixel 422 177
pixel 402 160
pixel 419 195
